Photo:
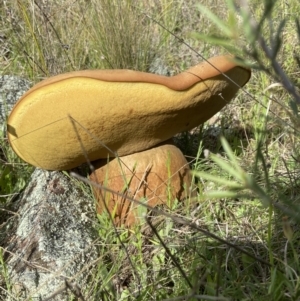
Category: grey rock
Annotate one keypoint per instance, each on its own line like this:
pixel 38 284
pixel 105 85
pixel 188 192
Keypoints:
pixel 11 89
pixel 158 66
pixel 53 249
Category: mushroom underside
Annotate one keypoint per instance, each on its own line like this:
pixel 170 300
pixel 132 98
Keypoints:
pixel 88 117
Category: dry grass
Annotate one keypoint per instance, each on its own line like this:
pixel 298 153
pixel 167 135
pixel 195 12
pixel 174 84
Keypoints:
pixel 46 38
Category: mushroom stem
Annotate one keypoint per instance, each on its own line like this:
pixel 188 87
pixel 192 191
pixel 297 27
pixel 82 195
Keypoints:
pixel 156 176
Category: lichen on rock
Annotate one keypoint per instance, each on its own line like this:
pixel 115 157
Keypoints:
pixel 54 241
pixel 11 89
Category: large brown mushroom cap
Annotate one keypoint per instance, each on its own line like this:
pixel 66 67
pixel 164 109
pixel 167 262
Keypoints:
pixel 155 176
pixel 127 111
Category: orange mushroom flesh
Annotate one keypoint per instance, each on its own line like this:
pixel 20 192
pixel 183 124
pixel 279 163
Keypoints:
pixel 156 176
pixel 64 119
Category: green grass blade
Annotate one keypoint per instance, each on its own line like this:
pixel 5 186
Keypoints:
pixel 216 20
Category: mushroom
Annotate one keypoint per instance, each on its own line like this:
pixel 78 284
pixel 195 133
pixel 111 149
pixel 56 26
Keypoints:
pixel 102 114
